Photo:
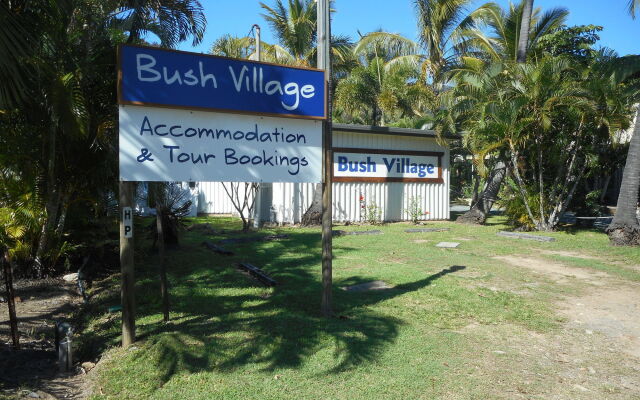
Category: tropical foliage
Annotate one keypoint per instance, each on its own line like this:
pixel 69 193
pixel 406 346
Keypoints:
pixel 549 117
pixel 546 123
pixel 58 150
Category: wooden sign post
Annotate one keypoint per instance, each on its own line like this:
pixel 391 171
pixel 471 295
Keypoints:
pixel 324 62
pixel 127 196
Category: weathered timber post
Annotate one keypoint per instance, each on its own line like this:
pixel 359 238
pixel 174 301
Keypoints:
pixel 127 191
pixel 164 285
pixel 324 62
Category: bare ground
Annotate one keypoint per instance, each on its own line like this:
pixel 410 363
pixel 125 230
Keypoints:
pixel 597 353
pixel 33 369
pixel 558 272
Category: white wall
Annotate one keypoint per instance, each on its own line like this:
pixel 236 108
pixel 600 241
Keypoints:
pixel 213 199
pixel 291 200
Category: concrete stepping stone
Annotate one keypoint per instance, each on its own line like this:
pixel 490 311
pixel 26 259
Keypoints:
pixel 363 287
pixel 518 235
pixel 418 230
pixel 448 245
pixel 344 233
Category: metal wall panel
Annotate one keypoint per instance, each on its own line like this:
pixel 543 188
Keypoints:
pixel 392 198
pixel 213 199
pixel 289 201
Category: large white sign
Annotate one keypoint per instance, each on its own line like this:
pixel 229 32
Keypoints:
pixel 377 165
pixel 161 144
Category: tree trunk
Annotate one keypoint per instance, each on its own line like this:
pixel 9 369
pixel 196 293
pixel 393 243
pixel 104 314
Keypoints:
pixel 480 210
pixel 560 208
pixel 476 186
pixel 525 24
pixel 51 208
pixel 164 288
pixel 52 204
pixel 313 215
pixel 11 301
pixel 243 205
pixel 624 230
pixel 62 219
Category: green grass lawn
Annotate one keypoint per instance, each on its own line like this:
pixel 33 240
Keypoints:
pixel 231 338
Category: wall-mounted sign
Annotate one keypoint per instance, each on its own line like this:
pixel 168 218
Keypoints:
pixel 160 144
pixel 372 165
pixel 168 78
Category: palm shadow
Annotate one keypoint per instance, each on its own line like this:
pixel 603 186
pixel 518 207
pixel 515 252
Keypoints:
pixel 227 320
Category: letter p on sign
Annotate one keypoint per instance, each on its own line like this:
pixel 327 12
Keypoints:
pixel 127 221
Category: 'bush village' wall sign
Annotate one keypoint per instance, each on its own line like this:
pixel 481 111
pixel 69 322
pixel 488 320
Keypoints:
pixel 372 165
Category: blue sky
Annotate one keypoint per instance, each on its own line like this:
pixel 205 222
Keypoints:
pixel 236 17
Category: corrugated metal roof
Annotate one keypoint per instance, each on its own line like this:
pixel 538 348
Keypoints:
pixel 389 130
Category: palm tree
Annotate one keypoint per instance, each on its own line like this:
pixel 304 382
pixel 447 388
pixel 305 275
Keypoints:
pixel 245 48
pixel 624 229
pixel 513 34
pixel 14 46
pixel 547 116
pixel 632 7
pixel 504 37
pixel 295 27
pixel 60 139
pixel 233 46
pixel 386 84
pixel 172 21
pixel 523 40
pixel 376 95
pixel 441 30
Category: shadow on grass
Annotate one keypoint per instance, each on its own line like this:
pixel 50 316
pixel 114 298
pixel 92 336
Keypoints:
pixel 226 321
pixel 573 229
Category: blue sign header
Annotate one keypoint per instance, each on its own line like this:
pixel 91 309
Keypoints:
pixel 158 77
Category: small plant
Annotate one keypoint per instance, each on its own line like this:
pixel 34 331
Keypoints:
pixel 590 206
pixel 414 210
pixel 370 213
pixel 373 214
pixel 363 208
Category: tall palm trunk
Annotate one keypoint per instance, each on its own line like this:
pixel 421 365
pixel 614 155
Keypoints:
pixel 523 39
pixel 51 206
pixel 625 229
pixel 313 215
pixel 480 209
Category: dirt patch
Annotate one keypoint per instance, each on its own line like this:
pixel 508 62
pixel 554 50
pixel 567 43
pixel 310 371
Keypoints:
pixel 609 310
pixel 635 267
pixel 564 364
pixel 568 254
pixel 41 303
pixel 589 257
pixel 558 272
pixel 612 312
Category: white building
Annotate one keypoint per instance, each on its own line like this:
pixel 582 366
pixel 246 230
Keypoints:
pixel 397 147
